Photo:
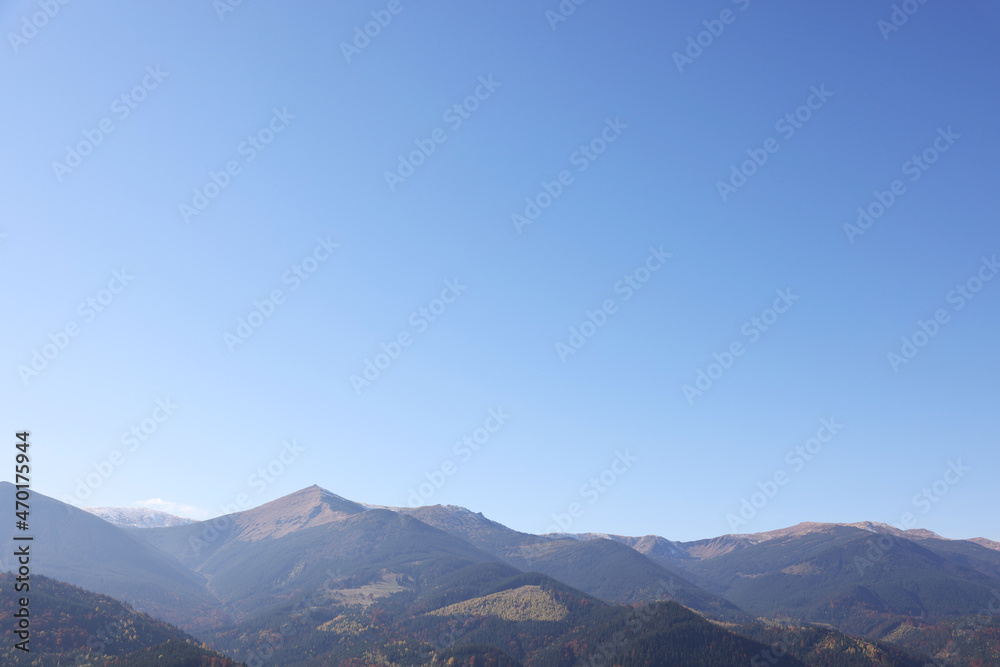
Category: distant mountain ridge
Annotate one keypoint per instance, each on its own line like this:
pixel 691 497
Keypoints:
pixel 84 550
pixel 989 544
pixel 137 517
pixel 339 507
pixel 723 544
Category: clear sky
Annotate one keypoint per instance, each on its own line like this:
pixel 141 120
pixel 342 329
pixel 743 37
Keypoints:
pixel 164 166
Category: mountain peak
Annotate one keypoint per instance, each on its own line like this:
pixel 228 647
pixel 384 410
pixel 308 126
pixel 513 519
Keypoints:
pixel 321 495
pixel 983 542
pixel 306 508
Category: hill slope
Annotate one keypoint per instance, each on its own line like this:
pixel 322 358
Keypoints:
pixel 81 549
pixel 605 568
pixel 847 578
pixel 70 625
pixel 310 540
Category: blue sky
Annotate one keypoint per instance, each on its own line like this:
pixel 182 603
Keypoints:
pixel 206 89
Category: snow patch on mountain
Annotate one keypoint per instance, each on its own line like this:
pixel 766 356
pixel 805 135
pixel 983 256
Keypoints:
pixel 137 517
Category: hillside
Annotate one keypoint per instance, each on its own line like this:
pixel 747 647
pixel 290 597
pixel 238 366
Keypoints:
pixel 526 603
pixel 495 615
pixel 310 541
pixel 81 549
pixel 70 625
pixel 604 568
pixel 848 581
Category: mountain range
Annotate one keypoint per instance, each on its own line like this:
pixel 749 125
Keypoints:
pixel 314 578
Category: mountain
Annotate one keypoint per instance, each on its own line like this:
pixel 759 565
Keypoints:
pixel 802 570
pixel 70 625
pixel 653 546
pixel 81 549
pixel 320 531
pixel 983 542
pixel 552 623
pixel 822 645
pixel 847 577
pixel 314 578
pixel 911 588
pixel 473 527
pixel 606 568
pixel 137 517
pixel 667 551
pixel 371 581
pixel 491 614
pixel 287 548
pixel 966 552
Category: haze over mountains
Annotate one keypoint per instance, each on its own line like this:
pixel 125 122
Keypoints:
pixel 354 578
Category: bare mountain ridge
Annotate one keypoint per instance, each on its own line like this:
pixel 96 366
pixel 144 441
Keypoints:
pixel 703 575
pixel 314 506
pixel 699 549
pixel 983 542
pixel 659 547
pixel 607 569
